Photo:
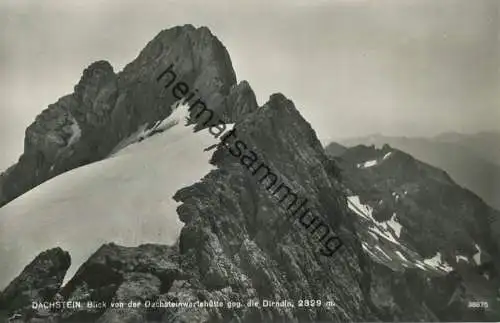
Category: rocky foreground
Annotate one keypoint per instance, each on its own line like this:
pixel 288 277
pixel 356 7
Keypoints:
pixel 236 247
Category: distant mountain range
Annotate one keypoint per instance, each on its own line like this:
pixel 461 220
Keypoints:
pixel 413 215
pixel 485 144
pixel 473 161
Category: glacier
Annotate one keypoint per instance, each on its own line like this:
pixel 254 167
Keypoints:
pixel 126 199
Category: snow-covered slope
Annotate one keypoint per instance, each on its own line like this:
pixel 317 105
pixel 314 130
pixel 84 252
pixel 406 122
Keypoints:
pixel 383 245
pixel 126 199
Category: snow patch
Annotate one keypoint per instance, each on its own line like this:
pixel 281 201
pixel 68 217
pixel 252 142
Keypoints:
pixel 383 252
pixel 359 208
pixel 477 256
pixel 459 258
pixel 396 196
pixel 76 132
pixel 387 155
pixel 384 234
pixel 366 248
pixel 179 115
pixel 368 164
pixel 133 138
pixel 437 263
pixel 381 229
pixel 395 225
pixel 400 255
pixel 373 162
pixel 420 265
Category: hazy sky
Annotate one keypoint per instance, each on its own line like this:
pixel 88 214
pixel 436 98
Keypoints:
pixel 352 67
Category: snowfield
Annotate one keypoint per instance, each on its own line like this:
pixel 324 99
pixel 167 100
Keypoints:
pixel 391 231
pixel 126 199
pixel 387 229
pixel 374 162
pixel 368 164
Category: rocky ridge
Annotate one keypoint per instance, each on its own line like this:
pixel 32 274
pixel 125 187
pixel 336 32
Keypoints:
pixel 469 159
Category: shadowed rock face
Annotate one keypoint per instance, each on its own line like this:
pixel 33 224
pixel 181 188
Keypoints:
pixel 105 107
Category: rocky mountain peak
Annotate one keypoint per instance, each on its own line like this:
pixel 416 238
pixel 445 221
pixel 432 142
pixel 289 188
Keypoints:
pixel 107 108
pixel 198 56
pixel 94 78
pixel 94 74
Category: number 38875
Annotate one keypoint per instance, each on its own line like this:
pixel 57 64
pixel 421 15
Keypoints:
pixel 478 305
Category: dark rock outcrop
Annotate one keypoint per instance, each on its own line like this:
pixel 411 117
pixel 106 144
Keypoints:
pixel 240 102
pixel 39 282
pixel 118 274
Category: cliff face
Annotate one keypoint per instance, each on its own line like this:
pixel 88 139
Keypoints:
pixel 239 243
pixel 106 107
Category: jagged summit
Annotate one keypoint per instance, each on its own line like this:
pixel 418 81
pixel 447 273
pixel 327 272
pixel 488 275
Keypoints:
pixel 105 108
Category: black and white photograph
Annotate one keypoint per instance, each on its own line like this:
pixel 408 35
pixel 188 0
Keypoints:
pixel 249 161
